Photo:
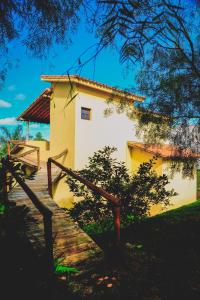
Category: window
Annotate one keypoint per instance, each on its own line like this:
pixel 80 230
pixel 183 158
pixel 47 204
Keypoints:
pixel 85 113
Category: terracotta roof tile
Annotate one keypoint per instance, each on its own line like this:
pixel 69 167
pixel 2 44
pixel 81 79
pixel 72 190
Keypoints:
pixel 166 151
pixel 39 110
pixel 92 83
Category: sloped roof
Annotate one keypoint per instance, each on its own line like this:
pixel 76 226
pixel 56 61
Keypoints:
pixel 84 82
pixel 39 110
pixel 165 151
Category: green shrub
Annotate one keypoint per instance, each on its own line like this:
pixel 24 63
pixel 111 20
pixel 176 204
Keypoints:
pixel 18 168
pixel 137 192
pixel 2 209
pixel 198 180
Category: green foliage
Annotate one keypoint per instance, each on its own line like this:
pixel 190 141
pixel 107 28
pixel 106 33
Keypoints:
pixel 18 167
pixel 1 181
pixel 39 137
pixel 11 216
pixel 61 269
pixel 106 225
pixel 164 37
pixel 174 91
pixel 55 22
pixel 140 246
pixel 7 135
pixel 141 28
pixel 99 227
pixel 137 192
pixel 2 208
pixel 198 180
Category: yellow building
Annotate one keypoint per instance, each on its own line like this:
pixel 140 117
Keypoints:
pixel 75 109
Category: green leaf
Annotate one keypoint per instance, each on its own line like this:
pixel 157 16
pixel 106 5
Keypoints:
pixel 140 246
pixel 2 209
pixel 58 261
pixel 61 269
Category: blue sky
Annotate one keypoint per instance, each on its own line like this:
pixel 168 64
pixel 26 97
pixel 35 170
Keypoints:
pixel 23 84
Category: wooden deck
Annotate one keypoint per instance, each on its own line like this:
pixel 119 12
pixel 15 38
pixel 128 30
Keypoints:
pixel 70 242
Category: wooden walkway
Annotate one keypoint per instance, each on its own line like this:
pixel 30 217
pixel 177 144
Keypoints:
pixel 70 242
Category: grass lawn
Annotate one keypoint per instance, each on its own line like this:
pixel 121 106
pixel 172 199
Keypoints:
pixel 198 181
pixel 168 264
pixel 159 259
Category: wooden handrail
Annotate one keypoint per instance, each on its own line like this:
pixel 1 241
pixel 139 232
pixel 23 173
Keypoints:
pixel 114 200
pixel 17 141
pixel 23 154
pixel 49 170
pixel 86 182
pixel 59 155
pixel 43 209
pixel 23 143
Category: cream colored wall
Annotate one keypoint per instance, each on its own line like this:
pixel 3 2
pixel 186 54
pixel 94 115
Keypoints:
pixel 62 136
pixel 62 123
pixel 139 156
pixel 185 187
pixel 44 148
pixel 100 131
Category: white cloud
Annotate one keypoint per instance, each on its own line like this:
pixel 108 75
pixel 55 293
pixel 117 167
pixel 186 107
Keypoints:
pixel 11 87
pixel 34 125
pixel 8 121
pixel 5 103
pixel 20 96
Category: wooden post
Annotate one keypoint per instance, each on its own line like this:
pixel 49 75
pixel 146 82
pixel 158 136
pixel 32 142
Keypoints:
pixel 116 213
pixel 27 130
pixel 49 178
pixel 5 183
pixel 38 159
pixel 8 148
pixel 49 245
pixel 9 186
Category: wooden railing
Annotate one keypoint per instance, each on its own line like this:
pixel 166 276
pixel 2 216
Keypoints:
pixel 23 144
pixel 46 213
pixel 114 200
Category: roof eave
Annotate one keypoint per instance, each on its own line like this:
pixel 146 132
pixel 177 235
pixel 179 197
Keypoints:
pixel 93 85
pixel 167 157
pixel 22 117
